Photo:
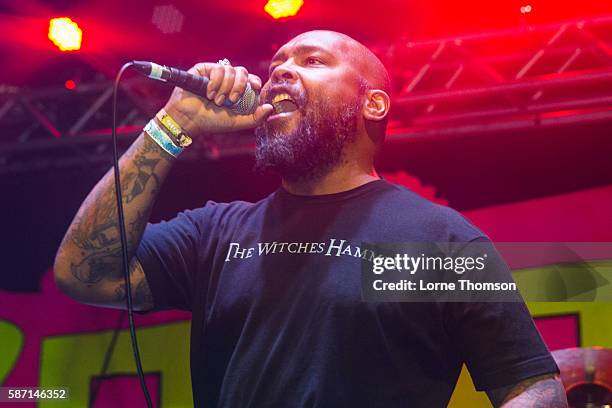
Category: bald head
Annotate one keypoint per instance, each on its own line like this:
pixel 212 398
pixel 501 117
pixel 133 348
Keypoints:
pixel 369 67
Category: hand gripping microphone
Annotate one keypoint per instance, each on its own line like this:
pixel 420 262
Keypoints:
pixel 246 104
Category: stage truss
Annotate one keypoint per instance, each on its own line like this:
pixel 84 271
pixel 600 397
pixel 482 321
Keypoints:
pixel 513 80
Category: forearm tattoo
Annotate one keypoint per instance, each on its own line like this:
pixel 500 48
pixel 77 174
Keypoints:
pixel 141 295
pixel 95 231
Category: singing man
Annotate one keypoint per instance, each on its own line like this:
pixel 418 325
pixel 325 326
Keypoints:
pixel 274 327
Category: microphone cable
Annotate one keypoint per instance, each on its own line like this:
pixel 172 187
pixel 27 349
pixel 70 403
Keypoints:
pixel 123 238
pixel 108 355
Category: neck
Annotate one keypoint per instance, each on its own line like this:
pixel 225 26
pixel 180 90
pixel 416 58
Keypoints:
pixel 342 178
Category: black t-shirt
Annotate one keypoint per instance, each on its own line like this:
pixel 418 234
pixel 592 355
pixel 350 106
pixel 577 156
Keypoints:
pixel 277 316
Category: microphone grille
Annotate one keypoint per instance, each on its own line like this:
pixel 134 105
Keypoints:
pixel 247 103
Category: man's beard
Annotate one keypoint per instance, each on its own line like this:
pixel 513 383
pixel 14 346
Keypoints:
pixel 314 147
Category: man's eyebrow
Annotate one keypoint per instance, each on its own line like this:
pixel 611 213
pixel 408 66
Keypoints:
pixel 299 49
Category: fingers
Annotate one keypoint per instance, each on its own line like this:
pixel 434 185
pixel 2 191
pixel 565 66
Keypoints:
pixel 225 81
pixel 262 112
pixel 255 82
pixel 255 119
pixel 229 73
pixel 202 69
pixel 229 83
pixel 215 80
pixel 240 81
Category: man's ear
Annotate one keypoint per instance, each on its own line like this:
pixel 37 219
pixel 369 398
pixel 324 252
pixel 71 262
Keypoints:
pixel 377 105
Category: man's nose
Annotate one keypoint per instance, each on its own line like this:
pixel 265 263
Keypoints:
pixel 283 73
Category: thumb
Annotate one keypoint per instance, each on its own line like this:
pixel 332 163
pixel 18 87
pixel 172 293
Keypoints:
pixel 256 118
pixel 262 112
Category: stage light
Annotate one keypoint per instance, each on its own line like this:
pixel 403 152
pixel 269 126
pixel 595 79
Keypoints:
pixel 526 9
pixel 70 84
pixel 283 8
pixel 65 34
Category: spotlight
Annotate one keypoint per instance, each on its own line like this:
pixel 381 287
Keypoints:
pixel 65 34
pixel 283 8
pixel 70 84
pixel 526 9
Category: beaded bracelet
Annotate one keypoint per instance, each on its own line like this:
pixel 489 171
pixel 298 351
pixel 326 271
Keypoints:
pixel 162 139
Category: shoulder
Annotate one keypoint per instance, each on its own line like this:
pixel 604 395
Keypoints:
pixel 214 213
pixel 441 222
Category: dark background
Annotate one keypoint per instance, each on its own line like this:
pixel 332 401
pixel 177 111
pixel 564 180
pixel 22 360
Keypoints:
pixel 468 170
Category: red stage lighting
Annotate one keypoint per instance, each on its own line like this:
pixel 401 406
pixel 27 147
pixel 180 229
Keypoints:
pixel 283 8
pixel 526 9
pixel 65 34
pixel 70 84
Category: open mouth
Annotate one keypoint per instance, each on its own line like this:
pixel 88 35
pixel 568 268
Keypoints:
pixel 283 103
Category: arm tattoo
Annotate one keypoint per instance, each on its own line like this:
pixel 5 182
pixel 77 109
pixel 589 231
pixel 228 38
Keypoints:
pixel 120 292
pixel 545 391
pixel 95 267
pixel 95 231
pixel 101 250
pixel 136 182
pixel 141 294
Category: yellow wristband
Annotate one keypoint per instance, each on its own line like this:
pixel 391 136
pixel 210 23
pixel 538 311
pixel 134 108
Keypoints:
pixel 173 128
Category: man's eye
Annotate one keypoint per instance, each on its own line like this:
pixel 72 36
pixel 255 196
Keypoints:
pixel 312 60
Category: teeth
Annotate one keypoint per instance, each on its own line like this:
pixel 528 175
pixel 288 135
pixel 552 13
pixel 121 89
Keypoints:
pixel 281 97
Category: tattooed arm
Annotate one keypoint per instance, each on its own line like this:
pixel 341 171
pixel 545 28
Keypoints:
pixel 544 391
pixel 88 263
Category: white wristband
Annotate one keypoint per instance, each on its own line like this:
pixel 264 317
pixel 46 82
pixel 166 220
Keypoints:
pixel 162 139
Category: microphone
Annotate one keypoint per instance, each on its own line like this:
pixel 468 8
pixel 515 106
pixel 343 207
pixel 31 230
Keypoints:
pixel 246 104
